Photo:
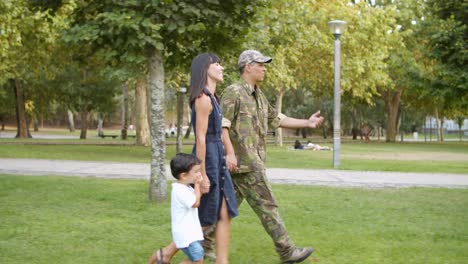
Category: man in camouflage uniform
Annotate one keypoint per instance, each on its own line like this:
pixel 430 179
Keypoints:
pixel 247 115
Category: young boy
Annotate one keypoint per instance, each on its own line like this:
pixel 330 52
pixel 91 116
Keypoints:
pixel 187 233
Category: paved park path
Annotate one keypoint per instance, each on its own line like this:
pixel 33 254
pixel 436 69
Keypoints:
pixel 338 178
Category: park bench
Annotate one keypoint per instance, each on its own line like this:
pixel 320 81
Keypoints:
pixel 112 136
pixel 116 136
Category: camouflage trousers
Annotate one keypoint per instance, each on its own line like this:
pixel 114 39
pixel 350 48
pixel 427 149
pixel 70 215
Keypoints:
pixel 256 190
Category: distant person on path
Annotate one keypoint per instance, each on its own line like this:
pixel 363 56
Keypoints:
pixel 186 230
pixel 218 204
pixel 247 115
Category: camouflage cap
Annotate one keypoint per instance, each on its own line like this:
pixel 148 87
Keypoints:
pixel 249 56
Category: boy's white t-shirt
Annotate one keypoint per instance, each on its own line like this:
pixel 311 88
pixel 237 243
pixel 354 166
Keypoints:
pixel 186 226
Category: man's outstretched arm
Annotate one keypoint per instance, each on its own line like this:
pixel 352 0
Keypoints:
pixel 314 121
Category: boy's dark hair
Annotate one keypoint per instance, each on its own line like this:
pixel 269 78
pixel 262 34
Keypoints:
pixel 182 163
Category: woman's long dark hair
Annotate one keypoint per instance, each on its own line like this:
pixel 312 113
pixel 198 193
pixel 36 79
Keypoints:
pixel 199 74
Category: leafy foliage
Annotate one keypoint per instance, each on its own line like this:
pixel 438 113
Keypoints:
pixel 447 34
pixel 179 28
pixel 27 37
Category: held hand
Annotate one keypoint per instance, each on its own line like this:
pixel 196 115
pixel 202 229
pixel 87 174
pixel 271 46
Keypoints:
pixel 315 120
pixel 205 185
pixel 231 162
pixel 198 179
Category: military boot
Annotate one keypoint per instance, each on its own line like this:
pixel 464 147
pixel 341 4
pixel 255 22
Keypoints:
pixel 297 255
pixel 209 243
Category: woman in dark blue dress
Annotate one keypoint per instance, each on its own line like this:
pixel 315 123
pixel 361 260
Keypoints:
pixel 218 203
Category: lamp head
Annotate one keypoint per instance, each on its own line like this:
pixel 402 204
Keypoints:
pixel 337 27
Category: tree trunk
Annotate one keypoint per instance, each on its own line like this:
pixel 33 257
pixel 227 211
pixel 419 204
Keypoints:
pixel 71 121
pixel 324 126
pixel 324 132
pixel 437 124
pixel 442 129
pixel 100 126
pixel 399 123
pixel 180 118
pixel 354 129
pixel 189 130
pixel 189 118
pixel 157 184
pixel 21 118
pixel 460 125
pixel 392 103
pixel 279 106
pixel 35 124
pixel 141 109
pixel 84 123
pixel 125 115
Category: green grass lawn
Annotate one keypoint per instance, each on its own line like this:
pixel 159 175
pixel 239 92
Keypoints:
pixel 449 157
pixel 81 220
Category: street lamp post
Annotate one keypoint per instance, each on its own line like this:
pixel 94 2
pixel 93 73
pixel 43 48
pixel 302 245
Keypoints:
pixel 180 114
pixel 337 27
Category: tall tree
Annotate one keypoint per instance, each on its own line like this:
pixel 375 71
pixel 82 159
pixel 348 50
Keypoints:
pixel 446 31
pixel 296 35
pixel 163 33
pixel 282 32
pixel 7 105
pixel 125 111
pixel 29 30
pixel 141 109
pixel 428 70
pixel 400 64
pixel 86 88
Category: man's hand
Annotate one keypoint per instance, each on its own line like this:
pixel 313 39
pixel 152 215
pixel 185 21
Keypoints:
pixel 315 120
pixel 231 162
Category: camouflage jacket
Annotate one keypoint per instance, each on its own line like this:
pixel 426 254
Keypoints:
pixel 247 115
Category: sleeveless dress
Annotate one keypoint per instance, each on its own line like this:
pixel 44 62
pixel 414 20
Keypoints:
pixel 215 165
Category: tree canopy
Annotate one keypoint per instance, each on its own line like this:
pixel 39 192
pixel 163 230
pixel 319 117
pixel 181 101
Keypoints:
pixel 395 54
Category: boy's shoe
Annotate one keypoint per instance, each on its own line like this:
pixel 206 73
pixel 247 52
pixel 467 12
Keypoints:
pixel 297 255
pixel 157 258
